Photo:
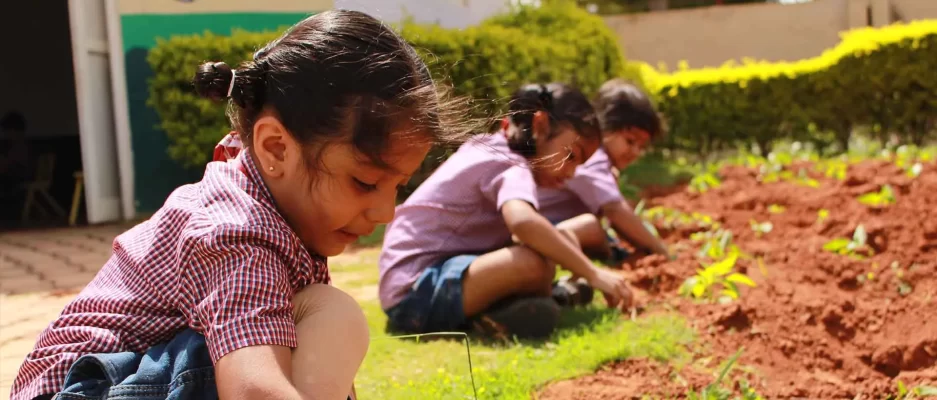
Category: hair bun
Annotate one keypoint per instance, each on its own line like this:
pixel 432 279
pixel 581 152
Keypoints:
pixel 212 80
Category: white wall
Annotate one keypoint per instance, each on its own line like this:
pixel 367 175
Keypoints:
pixel 709 36
pixel 448 13
pixel 36 76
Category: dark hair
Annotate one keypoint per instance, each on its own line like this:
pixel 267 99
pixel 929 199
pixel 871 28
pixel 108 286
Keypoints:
pixel 622 105
pixel 336 75
pixel 13 121
pixel 562 103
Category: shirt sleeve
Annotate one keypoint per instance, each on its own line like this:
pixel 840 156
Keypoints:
pixel 247 301
pixel 514 183
pixel 595 185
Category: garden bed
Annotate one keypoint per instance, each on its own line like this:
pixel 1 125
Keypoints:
pixel 824 319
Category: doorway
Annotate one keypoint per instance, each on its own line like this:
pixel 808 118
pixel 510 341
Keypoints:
pixel 40 146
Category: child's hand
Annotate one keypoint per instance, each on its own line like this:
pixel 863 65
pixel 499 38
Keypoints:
pixel 614 286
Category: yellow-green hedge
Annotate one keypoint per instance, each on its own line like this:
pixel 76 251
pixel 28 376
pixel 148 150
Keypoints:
pixel 884 78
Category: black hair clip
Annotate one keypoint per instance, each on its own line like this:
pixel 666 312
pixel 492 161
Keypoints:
pixel 546 98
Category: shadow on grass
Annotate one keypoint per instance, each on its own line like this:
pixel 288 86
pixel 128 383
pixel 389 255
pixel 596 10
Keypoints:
pixel 572 322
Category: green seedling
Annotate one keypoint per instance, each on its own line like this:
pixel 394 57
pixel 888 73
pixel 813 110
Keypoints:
pixel 883 198
pixel 822 215
pixel 904 287
pixel 917 392
pixel 761 228
pixel 639 210
pixel 833 168
pixel 776 209
pixel 800 178
pixel 718 274
pixel 669 218
pixel 704 182
pixel 717 391
pixel 717 243
pixel 854 247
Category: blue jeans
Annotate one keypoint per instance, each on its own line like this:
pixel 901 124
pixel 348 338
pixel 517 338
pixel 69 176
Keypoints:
pixel 434 303
pixel 177 370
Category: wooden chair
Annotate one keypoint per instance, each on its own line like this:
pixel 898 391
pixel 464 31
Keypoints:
pixel 39 188
pixel 76 197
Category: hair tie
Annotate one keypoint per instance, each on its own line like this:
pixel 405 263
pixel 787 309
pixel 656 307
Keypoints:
pixel 234 76
pixel 546 98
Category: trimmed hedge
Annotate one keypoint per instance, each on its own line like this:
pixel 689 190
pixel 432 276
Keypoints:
pixel 882 79
pixel 556 42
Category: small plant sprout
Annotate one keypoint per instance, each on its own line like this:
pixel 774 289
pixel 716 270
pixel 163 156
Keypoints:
pixel 834 168
pixel 776 209
pixel 703 182
pixel 915 170
pixel 717 243
pixel 904 288
pixel 705 282
pixel 719 391
pixel 822 215
pixel 639 210
pixel 761 228
pixel 853 248
pixel 883 198
pixel 918 392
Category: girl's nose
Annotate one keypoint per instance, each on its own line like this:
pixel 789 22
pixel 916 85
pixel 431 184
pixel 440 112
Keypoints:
pixel 382 211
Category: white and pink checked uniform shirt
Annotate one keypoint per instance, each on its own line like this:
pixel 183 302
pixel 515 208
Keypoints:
pixel 217 258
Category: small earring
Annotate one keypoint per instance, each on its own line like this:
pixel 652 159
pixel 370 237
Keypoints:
pixel 270 168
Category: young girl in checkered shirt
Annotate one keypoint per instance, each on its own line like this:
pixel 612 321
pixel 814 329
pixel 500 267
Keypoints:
pixel 225 291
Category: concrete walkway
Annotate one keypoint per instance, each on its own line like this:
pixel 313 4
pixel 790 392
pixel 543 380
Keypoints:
pixel 40 272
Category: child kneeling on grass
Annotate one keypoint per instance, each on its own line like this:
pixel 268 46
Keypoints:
pixel 225 291
pixel 629 123
pixel 447 257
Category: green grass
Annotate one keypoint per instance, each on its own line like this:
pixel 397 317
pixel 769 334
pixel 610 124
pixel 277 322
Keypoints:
pixel 436 369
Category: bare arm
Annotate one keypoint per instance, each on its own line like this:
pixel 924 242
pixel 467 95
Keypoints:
pixel 256 372
pixel 627 224
pixel 535 231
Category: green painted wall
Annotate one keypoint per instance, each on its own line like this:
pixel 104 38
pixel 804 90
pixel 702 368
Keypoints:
pixel 155 174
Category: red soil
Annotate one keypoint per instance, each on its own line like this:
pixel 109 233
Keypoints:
pixel 810 328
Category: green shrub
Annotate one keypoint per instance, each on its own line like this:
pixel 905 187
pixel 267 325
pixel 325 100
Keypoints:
pixel 875 77
pixel 486 63
pixel 194 124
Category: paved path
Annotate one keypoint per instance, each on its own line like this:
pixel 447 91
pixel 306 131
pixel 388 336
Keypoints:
pixel 40 271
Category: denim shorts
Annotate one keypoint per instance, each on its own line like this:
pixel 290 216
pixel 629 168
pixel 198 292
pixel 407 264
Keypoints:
pixel 178 370
pixel 434 303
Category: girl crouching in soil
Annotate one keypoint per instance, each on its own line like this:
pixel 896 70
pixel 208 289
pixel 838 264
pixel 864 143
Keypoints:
pixel 225 291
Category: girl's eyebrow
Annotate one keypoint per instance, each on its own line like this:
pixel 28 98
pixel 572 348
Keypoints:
pixel 385 167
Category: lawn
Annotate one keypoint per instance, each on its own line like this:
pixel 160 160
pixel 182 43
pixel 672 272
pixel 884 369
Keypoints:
pixel 398 368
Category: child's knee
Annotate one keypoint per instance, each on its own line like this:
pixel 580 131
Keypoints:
pixel 329 306
pixel 535 268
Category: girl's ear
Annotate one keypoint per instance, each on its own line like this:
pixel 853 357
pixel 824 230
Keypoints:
pixel 271 141
pixel 541 126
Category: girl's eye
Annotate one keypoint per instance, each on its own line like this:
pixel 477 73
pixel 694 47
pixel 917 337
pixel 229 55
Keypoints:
pixel 365 186
pixel 571 156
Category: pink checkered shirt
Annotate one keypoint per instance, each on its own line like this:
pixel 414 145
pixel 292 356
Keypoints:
pixel 217 258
